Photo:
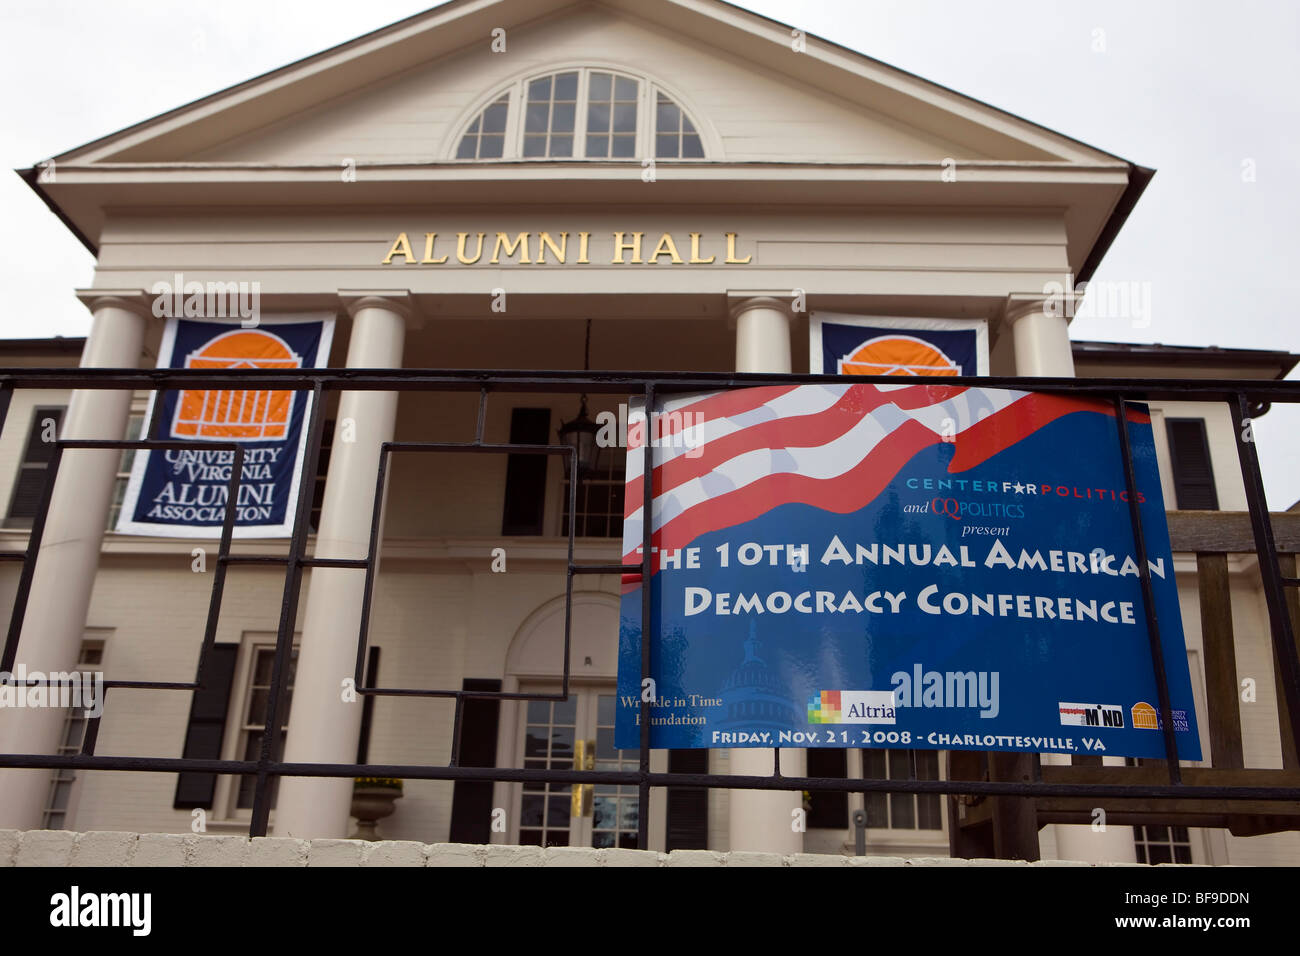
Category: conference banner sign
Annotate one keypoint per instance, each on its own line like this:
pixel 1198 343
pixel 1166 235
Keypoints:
pixel 913 566
pixel 883 345
pixel 183 493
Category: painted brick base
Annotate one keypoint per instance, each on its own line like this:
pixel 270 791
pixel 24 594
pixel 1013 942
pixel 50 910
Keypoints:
pixel 64 848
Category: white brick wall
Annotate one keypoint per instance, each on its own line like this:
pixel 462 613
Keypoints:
pixel 63 848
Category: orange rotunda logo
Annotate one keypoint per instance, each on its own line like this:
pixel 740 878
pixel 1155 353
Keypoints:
pixel 897 355
pixel 1144 716
pixel 228 414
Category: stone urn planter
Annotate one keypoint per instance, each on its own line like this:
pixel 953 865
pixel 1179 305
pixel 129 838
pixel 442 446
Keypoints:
pixel 373 798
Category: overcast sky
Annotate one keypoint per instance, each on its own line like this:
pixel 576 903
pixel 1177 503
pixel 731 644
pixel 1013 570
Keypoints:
pixel 1207 94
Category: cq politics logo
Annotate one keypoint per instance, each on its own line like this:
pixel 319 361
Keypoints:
pixel 957 509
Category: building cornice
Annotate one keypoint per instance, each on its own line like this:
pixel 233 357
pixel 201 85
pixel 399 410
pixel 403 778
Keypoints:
pixel 468 555
pixel 1082 194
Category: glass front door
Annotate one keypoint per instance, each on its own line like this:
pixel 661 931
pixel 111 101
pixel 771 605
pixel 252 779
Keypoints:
pixel 577 733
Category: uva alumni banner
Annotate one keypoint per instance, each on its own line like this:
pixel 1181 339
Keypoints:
pixel 183 492
pixel 914 566
pixel 883 345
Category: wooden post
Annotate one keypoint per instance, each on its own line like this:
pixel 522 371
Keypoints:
pixel 1220 661
pixel 1290 757
pixel 966 842
pixel 1015 819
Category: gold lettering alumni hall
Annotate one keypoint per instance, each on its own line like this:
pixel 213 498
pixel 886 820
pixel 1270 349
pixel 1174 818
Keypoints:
pixel 660 185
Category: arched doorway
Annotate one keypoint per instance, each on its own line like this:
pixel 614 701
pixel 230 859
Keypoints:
pixel 578 731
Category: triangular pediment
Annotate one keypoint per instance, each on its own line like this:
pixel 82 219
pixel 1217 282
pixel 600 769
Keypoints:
pixel 404 94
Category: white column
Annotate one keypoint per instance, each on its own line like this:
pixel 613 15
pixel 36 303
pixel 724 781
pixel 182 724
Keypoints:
pixel 761 819
pixel 322 727
pixel 1041 336
pixel 1106 844
pixel 59 597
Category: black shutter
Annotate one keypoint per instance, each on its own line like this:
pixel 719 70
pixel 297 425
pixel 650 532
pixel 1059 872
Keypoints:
pixel 829 808
pixel 322 469
pixel 1189 455
pixel 471 800
pixel 526 474
pixel 206 725
pixel 688 807
pixel 35 466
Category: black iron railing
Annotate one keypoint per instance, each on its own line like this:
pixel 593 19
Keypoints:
pixel 1241 396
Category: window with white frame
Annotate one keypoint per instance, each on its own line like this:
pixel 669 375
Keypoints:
pixel 1163 844
pixel 252 726
pixel 675 134
pixel 550 116
pixel 902 811
pixel 134 428
pixel 57 803
pixel 1160 844
pixel 582 113
pixel 611 116
pixel 486 136
pixel 600 501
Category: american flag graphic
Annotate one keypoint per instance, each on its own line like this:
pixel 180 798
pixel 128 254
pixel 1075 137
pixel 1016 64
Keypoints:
pixel 724 458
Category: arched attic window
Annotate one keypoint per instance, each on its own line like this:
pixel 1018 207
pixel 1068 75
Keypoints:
pixel 584 113
pixel 486 136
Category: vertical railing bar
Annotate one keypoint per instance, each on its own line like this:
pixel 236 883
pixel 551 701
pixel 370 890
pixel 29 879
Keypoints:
pixel 568 576
pixel 288 618
pixel 6 395
pixel 372 560
pixel 91 734
pixel 223 553
pixel 1148 592
pixel 568 572
pixel 1279 617
pixel 455 731
pixel 647 582
pixel 29 563
pixel 155 423
pixel 482 415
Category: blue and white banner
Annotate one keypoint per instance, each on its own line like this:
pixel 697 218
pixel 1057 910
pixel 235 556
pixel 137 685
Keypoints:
pixel 183 493
pixel 913 566
pixel 886 345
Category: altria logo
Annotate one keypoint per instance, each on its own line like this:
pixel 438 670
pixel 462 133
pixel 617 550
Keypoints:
pixel 75 908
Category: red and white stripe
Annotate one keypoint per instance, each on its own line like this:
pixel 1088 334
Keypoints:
pixel 832 446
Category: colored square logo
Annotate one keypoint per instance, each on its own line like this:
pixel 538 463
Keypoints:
pixel 824 708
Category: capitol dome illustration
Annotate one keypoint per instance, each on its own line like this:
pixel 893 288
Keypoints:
pixel 752 696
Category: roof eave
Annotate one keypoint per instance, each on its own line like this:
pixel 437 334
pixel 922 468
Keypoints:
pixel 1138 178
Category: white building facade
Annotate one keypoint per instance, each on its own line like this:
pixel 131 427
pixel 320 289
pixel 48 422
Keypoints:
pixel 475 188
